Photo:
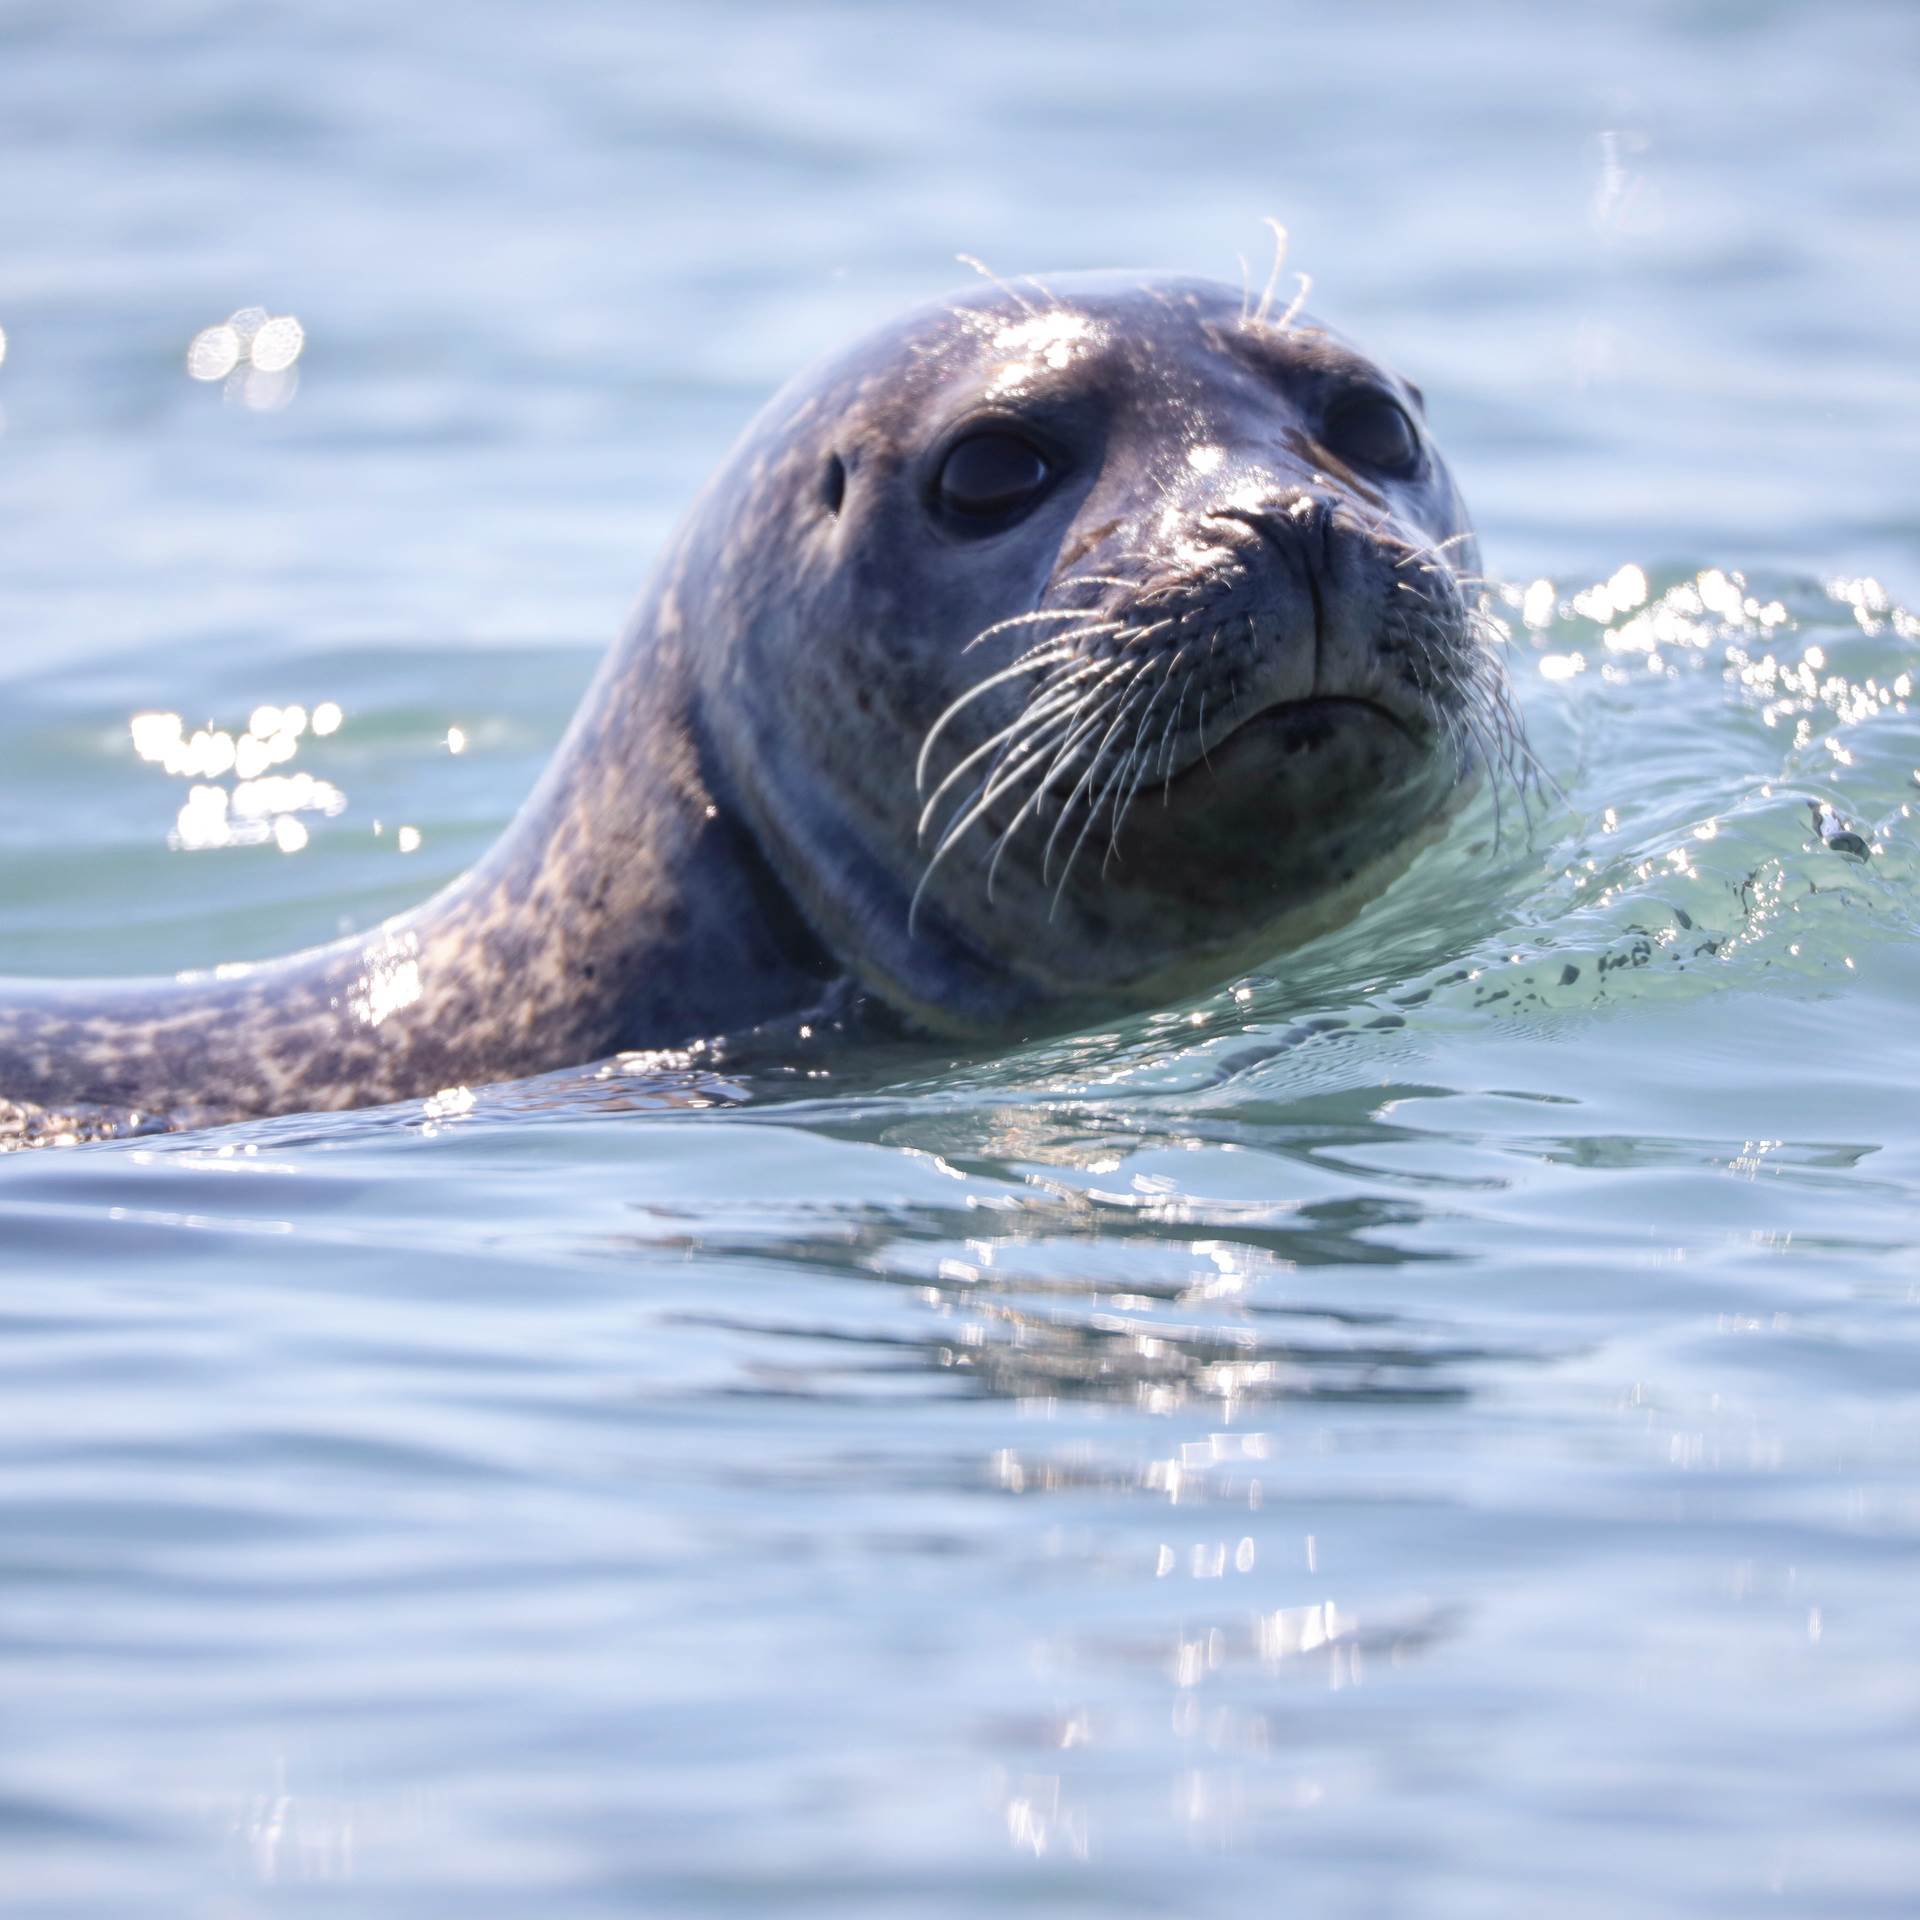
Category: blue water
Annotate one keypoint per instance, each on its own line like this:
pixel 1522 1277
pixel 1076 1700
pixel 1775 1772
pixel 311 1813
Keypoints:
pixel 1433 1428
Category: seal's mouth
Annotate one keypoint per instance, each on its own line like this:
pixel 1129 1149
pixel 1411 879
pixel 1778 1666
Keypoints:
pixel 1287 738
pixel 1287 806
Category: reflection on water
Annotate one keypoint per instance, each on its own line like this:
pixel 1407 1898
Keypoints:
pixel 1020 1317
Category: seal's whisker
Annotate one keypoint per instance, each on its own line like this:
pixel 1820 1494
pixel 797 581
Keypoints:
pixel 1465 692
pixel 1097 580
pixel 1005 837
pixel 1028 807
pixel 1052 731
pixel 1115 809
pixel 1086 724
pixel 1139 636
pixel 1061 761
pixel 1090 700
pixel 1530 769
pixel 1144 743
pixel 1059 693
pixel 1171 733
pixel 1108 763
pixel 1200 732
pixel 1431 552
pixel 980 267
pixel 979 803
pixel 1038 614
pixel 1498 727
pixel 1199 739
pixel 1028 663
pixel 1476 728
pixel 1080 786
pixel 1025 724
pixel 1296 304
pixel 999 780
pixel 1112 674
pixel 1125 783
pixel 1095 805
pixel 1135 786
pixel 1273 273
pixel 1073 722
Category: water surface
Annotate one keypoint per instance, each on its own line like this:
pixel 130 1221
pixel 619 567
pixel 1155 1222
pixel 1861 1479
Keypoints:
pixel 1429 1428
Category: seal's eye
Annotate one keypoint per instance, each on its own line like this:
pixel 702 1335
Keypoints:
pixel 1372 430
pixel 990 479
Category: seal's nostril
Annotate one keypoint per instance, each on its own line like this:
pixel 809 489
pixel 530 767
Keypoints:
pixel 1301 526
pixel 1314 517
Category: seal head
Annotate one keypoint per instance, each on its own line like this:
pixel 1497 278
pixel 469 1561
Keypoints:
pixel 1085 643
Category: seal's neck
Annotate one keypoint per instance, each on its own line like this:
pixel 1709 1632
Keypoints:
pixel 630 897
pixel 627 906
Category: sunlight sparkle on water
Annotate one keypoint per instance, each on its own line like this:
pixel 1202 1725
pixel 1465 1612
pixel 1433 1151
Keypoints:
pixel 253 352
pixel 213 353
pixel 1622 591
pixel 260 804
pixel 1537 603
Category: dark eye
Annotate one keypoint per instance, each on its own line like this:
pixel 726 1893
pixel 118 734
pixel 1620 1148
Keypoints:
pixel 1372 430
pixel 990 479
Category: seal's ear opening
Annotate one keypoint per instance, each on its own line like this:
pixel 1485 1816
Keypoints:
pixel 833 483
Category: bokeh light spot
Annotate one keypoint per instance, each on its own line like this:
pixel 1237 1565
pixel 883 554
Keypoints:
pixel 213 353
pixel 253 352
pixel 277 345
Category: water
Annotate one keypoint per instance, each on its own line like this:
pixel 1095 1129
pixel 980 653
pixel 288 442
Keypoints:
pixel 1430 1430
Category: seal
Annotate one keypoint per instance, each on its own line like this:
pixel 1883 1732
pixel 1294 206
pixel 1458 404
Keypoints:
pixel 1056 650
